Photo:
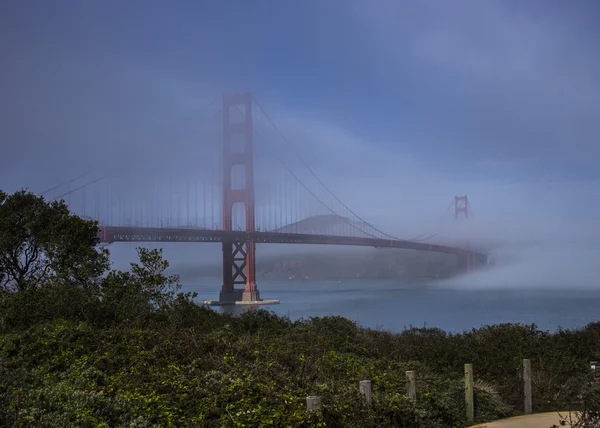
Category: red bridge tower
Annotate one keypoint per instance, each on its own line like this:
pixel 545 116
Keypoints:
pixel 238 255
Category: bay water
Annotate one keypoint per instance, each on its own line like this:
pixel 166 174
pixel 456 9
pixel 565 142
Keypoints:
pixel 395 304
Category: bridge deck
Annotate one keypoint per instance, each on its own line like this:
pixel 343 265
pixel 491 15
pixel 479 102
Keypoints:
pixel 110 234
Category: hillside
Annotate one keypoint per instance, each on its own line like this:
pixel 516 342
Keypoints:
pixel 372 263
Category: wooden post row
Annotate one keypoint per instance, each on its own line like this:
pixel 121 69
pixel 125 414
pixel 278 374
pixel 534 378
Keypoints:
pixel 315 403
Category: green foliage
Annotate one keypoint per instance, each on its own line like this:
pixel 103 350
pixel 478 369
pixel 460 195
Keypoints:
pixel 50 301
pixel 197 367
pixel 144 291
pixel 40 241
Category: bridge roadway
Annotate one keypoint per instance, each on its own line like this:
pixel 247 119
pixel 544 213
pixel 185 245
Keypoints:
pixel 110 234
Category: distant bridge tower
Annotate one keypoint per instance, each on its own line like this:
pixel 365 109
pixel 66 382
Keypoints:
pixel 462 207
pixel 238 255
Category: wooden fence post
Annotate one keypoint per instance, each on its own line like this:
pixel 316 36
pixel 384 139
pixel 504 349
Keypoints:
pixel 365 391
pixel 314 403
pixel 411 385
pixel 469 392
pixel 527 386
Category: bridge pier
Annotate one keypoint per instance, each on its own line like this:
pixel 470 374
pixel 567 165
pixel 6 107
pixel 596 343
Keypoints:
pixel 239 269
pixel 230 268
pixel 251 293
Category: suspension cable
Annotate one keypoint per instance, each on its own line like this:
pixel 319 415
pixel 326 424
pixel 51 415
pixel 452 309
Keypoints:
pixel 420 236
pixel 317 177
pixel 415 239
pixel 64 183
pixel 345 220
pixel 79 188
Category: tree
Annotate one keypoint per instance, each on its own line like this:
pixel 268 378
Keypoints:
pixel 145 289
pixel 42 240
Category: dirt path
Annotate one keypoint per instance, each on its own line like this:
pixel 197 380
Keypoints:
pixel 539 420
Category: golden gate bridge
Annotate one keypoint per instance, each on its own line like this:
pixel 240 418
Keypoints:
pixel 240 191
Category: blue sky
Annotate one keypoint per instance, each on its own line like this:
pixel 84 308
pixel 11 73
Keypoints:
pixel 397 105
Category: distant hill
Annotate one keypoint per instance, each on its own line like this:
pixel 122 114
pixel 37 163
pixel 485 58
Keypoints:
pixel 372 263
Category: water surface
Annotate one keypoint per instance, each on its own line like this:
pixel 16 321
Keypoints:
pixel 393 305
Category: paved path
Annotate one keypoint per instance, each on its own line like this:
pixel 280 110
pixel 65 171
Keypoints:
pixel 539 420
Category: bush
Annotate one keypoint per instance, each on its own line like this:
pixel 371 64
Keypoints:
pixel 191 366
